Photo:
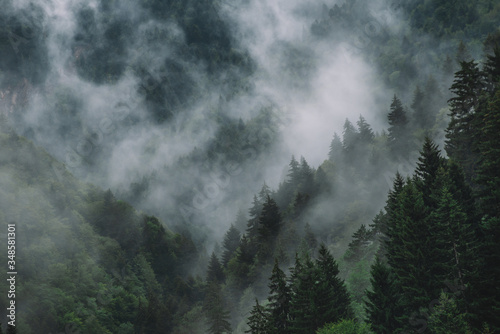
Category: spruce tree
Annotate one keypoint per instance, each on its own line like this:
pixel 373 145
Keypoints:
pixel 259 320
pixel 302 308
pixel 338 307
pixel 408 250
pixel 214 271
pixel 269 221
pixel 359 241
pixel 428 165
pixel 467 88
pixel 230 244
pixel 336 149
pixel 398 128
pixel 365 131
pixel 215 310
pixel 489 161
pixel 382 300
pixel 492 69
pixel 419 108
pixel 349 140
pixel 279 300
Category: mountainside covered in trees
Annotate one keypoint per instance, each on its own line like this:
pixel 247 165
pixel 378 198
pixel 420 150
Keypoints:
pixel 143 152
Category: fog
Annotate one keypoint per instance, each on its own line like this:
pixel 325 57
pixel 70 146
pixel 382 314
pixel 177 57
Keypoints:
pixel 133 99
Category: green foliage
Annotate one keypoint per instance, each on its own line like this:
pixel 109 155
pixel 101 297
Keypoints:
pixel 447 317
pixel 215 310
pixel 345 327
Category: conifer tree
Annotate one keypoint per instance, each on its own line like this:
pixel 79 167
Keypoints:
pixel 467 87
pixel 302 307
pixel 336 149
pixel 447 318
pixel 214 272
pixel 216 313
pixel 259 320
pixel 279 300
pixel 365 131
pixel 382 300
pixel 338 307
pixel 349 140
pixel 269 221
pixel 419 108
pixel 428 165
pixel 306 177
pixel 230 244
pixel 492 69
pixel 398 127
pixel 489 161
pixel 360 239
pixel 408 250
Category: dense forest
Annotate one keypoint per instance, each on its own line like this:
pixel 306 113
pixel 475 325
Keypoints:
pixel 248 167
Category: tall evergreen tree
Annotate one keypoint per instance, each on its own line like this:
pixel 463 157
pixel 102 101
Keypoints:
pixel 349 140
pixel 259 320
pixel 230 244
pixel 489 161
pixel 418 106
pixel 359 241
pixel 336 149
pixel 398 127
pixel 214 271
pixel 339 307
pixel 408 251
pixel 492 69
pixel 467 88
pixel 365 131
pixel 428 166
pixel 279 300
pixel 382 300
pixel 216 313
pixel 269 221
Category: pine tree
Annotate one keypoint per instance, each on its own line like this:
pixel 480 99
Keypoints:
pixel 360 240
pixel 386 222
pixel 365 131
pixel 302 308
pixel 230 244
pixel 489 161
pixel 306 178
pixel 428 165
pixel 259 320
pixel 492 69
pixel 447 318
pixel 382 300
pixel 214 272
pixel 336 149
pixel 269 221
pixel 337 304
pixel 252 231
pixel 398 131
pixel 216 313
pixel 409 248
pixel 418 107
pixel 467 88
pixel 279 300
pixel 349 140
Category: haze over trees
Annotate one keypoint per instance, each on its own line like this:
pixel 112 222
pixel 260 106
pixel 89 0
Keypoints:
pixel 156 157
